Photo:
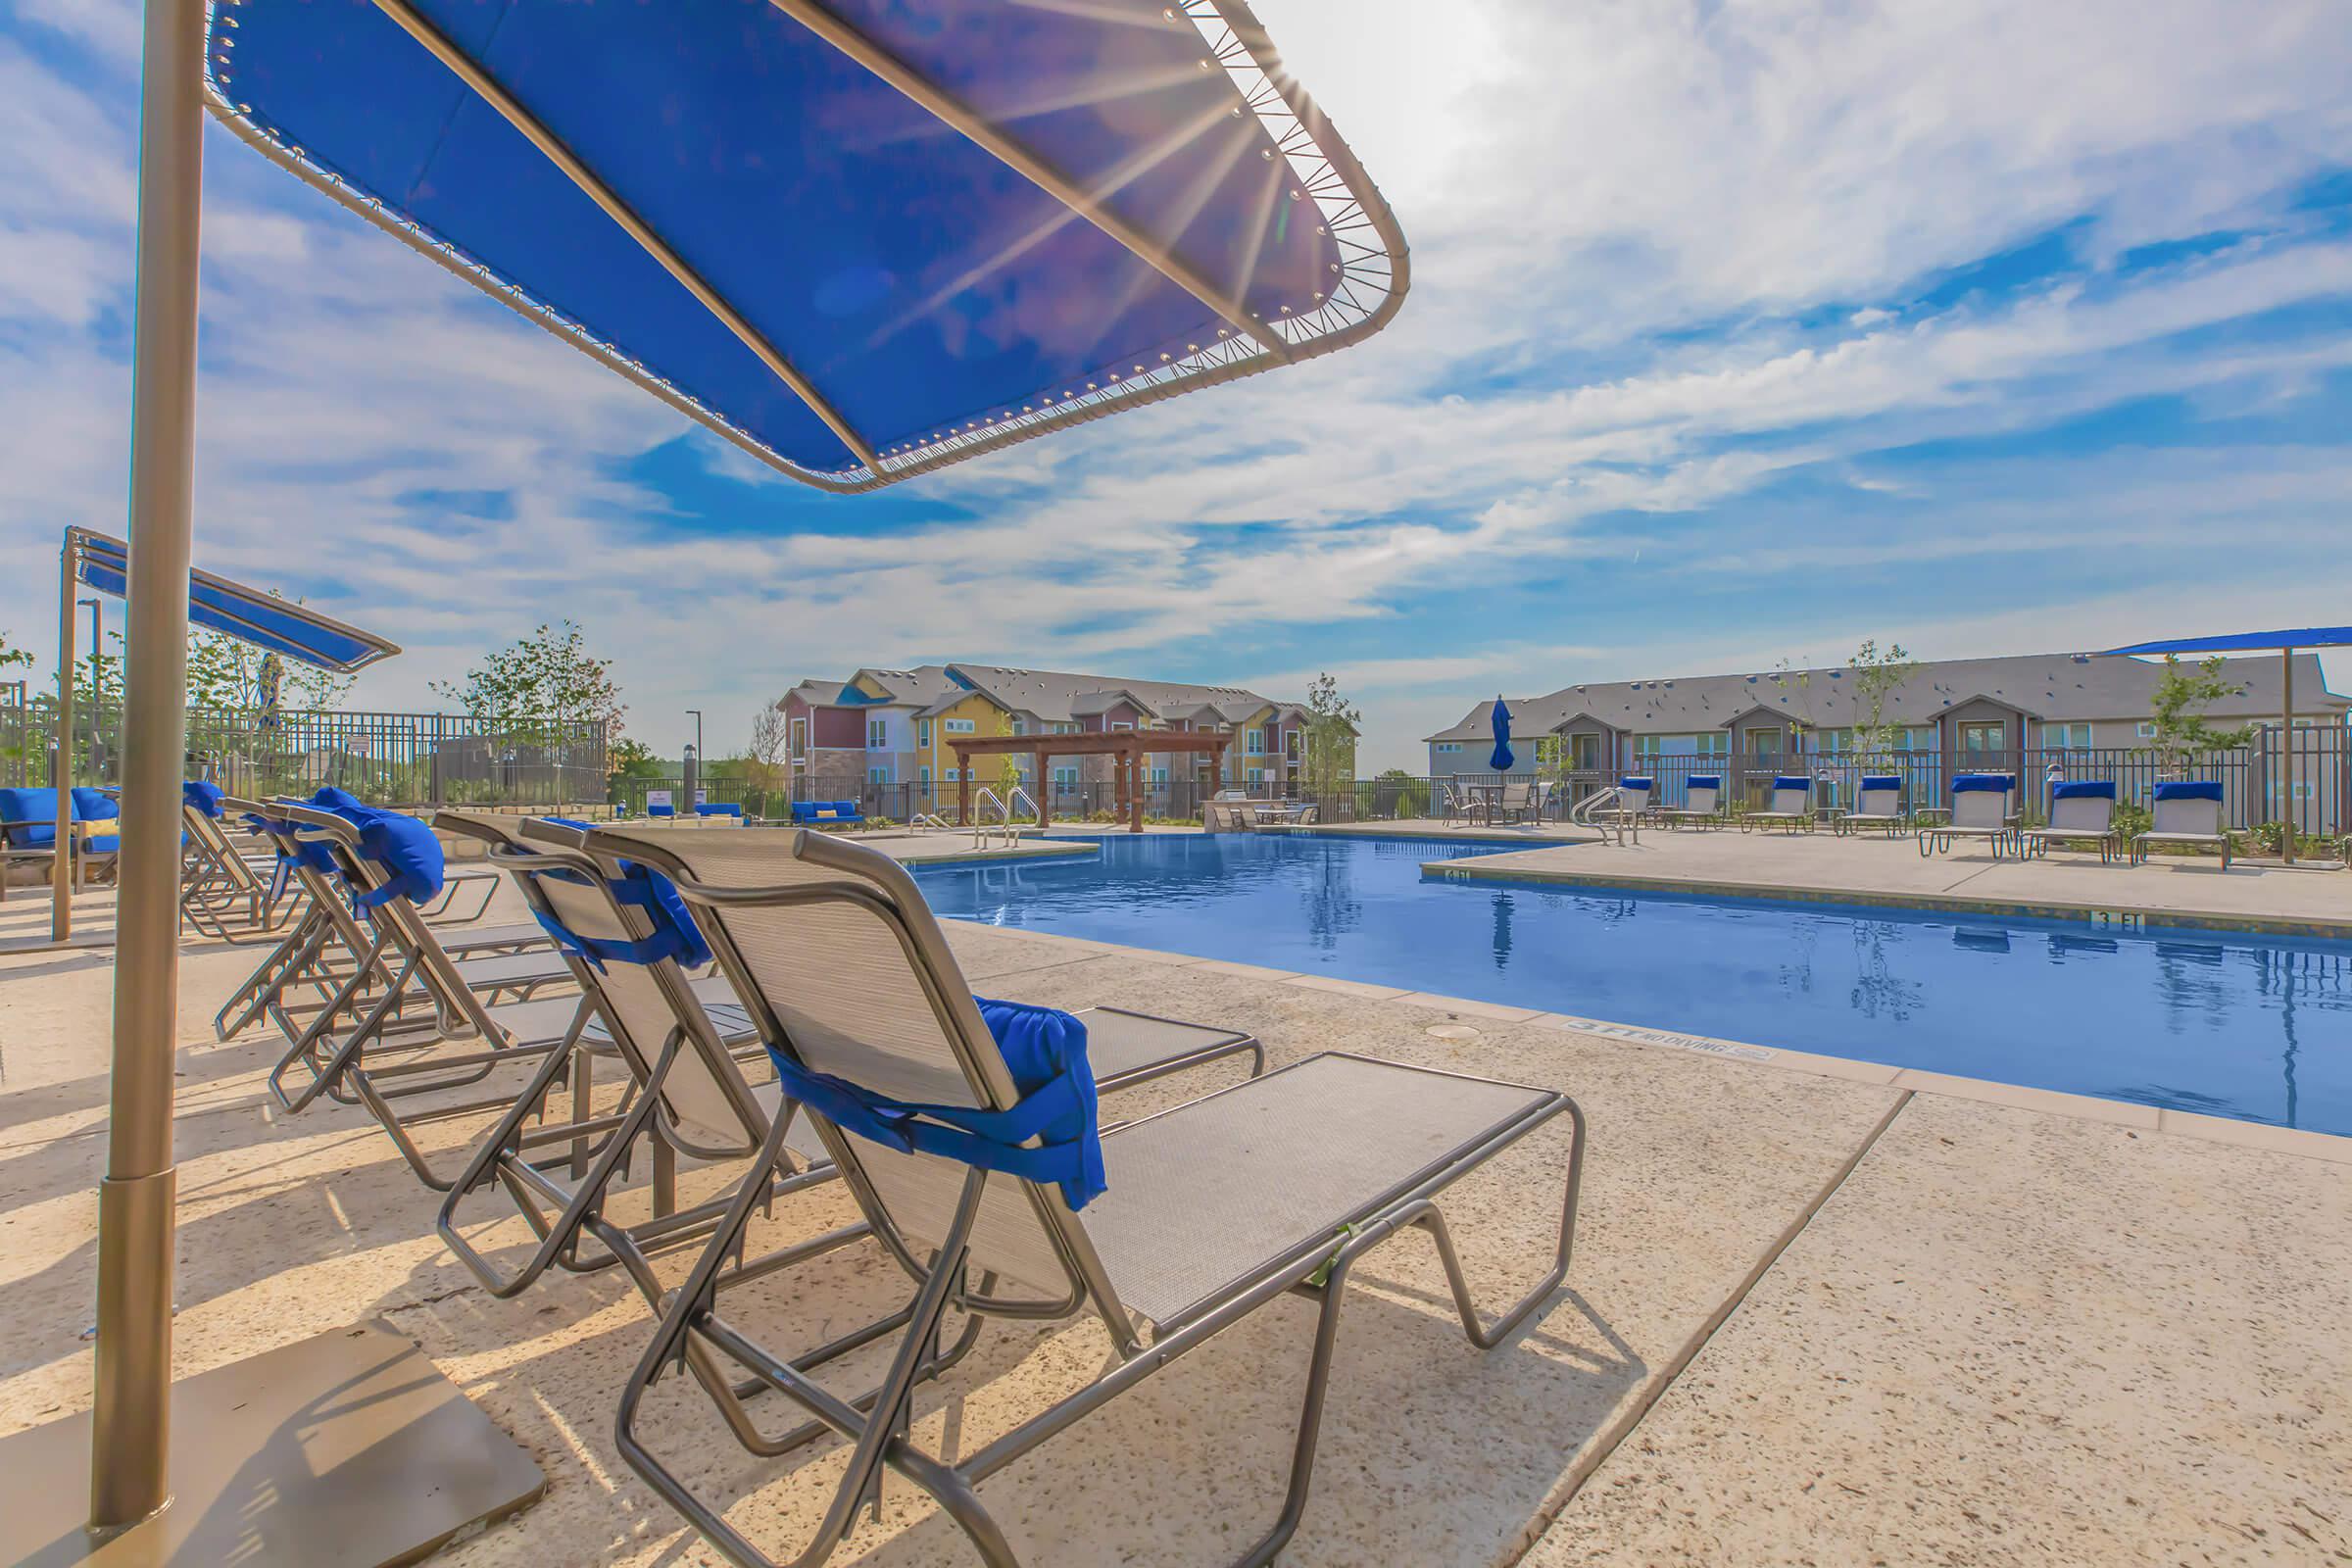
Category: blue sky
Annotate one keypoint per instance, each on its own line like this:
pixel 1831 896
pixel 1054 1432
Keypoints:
pixel 1739 333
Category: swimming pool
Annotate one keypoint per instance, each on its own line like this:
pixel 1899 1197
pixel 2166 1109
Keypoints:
pixel 2228 1023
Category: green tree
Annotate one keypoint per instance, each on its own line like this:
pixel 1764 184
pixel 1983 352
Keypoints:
pixel 12 656
pixel 2183 695
pixel 1327 764
pixel 538 687
pixel 1008 764
pixel 1877 675
pixel 765 767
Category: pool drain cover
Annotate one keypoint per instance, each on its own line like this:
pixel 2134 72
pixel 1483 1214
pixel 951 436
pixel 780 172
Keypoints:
pixel 1451 1031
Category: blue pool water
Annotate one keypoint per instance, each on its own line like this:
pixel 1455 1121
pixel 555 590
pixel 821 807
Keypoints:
pixel 2229 1023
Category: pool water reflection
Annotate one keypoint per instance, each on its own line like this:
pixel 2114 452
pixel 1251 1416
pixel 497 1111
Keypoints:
pixel 2228 1023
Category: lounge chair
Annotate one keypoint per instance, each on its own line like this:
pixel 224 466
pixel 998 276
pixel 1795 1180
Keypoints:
pixel 1792 806
pixel 2186 812
pixel 980 1169
pixel 1629 806
pixel 434 1025
pixel 659 812
pixel 685 1042
pixel 1878 805
pixel 1702 803
pixel 228 891
pixel 2078 810
pixel 1982 808
pixel 329 953
pixel 721 808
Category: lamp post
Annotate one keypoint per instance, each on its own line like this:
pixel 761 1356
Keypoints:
pixel 693 769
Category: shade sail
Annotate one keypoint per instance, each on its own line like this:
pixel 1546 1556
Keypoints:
pixel 249 615
pixel 859 238
pixel 2248 642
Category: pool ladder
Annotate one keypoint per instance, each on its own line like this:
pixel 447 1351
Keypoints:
pixel 985 798
pixel 1600 812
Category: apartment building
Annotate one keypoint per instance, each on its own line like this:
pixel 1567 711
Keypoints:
pixel 1994 714
pixel 897 726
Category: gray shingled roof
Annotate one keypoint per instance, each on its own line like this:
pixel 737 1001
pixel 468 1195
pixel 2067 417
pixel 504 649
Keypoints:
pixel 2052 687
pixel 1058 697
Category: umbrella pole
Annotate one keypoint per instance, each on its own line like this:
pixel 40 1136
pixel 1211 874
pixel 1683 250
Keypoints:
pixel 348 1447
pixel 130 1434
pixel 2286 757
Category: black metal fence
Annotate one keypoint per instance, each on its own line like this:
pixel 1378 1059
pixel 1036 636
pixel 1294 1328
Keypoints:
pixel 384 758
pixel 2308 781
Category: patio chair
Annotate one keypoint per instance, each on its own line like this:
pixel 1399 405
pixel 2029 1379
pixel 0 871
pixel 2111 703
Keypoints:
pixel 1878 805
pixel 685 1042
pixel 1455 804
pixel 1517 803
pixel 660 811
pixel 1982 808
pixel 980 1168
pixel 28 830
pixel 1702 803
pixel 1790 807
pixel 2186 812
pixel 722 809
pixel 2078 810
pixel 825 814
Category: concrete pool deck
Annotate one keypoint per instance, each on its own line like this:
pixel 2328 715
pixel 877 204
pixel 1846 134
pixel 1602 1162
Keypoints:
pixel 1821 866
pixel 1812 1317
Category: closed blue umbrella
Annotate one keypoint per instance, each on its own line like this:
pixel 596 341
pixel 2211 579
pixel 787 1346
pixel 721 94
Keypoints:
pixel 1503 756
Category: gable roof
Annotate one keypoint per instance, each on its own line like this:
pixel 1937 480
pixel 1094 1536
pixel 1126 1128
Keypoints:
pixel 2055 687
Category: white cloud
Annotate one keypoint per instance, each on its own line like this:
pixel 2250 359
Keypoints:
pixel 1576 183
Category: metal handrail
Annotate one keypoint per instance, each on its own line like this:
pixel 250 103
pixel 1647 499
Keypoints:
pixel 1585 811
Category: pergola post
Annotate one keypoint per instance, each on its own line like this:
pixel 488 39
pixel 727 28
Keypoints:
pixel 62 867
pixel 1045 787
pixel 963 788
pixel 1135 785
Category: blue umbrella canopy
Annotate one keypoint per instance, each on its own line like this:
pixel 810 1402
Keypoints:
pixel 2247 642
pixel 1503 756
pixel 249 615
pixel 859 238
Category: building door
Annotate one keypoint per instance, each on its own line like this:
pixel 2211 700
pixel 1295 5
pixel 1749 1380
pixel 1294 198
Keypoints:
pixel 1583 753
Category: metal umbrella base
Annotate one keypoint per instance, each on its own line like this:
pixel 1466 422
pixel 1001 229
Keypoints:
pixel 346 1450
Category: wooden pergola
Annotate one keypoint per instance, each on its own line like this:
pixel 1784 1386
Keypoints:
pixel 1126 748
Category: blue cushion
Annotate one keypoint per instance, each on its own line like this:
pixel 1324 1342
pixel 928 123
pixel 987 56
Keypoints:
pixel 1631 782
pixel 718 808
pixel 661 810
pixel 36 810
pixel 1044 1051
pixel 1881 781
pixel 108 843
pixel 1040 1044
pixel 1792 781
pixel 340 801
pixel 95 805
pixel 1704 781
pixel 2089 789
pixel 203 796
pixel 2189 789
pixel 675 935
pixel 1971 783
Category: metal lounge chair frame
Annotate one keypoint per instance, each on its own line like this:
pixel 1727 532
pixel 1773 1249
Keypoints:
pixel 2193 821
pixel 326 955
pixel 1975 814
pixel 770 912
pixel 1791 808
pixel 2074 818
pixel 397 1054
pixel 1710 814
pixel 228 893
pixel 688 1094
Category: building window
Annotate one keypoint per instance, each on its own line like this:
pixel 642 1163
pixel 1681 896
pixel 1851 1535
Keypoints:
pixel 1450 747
pixel 2066 736
pixel 879 773
pixel 1065 778
pixel 877 734
pixel 922 734
pixel 923 775
pixel 1257 745
pixel 959 727
pixel 1122 724
pixel 1020 726
pixel 1983 737
pixel 954 774
pixel 1160 778
pixel 2147 731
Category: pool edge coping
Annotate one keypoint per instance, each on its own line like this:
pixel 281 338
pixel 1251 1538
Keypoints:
pixel 2125 1114
pixel 1468 870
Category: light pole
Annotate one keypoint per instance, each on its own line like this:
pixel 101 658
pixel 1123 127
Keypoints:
pixel 97 644
pixel 693 767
